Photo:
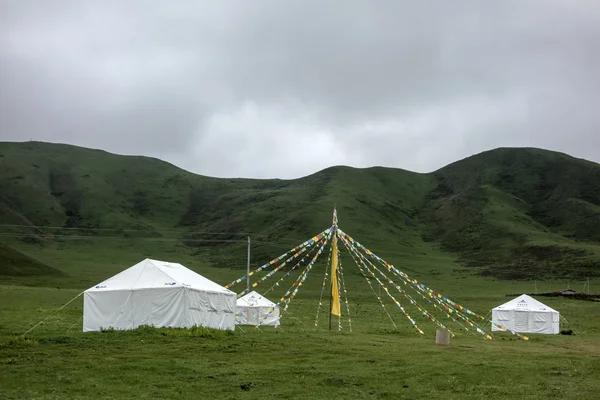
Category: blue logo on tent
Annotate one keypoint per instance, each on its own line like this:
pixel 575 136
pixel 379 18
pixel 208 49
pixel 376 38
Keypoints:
pixel 100 287
pixel 170 283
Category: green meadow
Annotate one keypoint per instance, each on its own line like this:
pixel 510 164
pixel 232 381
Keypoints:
pixel 57 360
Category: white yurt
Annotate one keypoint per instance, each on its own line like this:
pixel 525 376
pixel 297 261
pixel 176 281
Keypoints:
pixel 253 308
pixel 526 315
pixel 160 294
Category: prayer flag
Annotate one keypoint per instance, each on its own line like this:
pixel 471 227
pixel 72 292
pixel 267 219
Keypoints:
pixel 335 294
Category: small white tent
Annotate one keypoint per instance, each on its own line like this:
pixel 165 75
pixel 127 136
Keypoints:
pixel 253 308
pixel 160 294
pixel 526 315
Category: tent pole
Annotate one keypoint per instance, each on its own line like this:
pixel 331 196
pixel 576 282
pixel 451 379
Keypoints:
pixel 248 269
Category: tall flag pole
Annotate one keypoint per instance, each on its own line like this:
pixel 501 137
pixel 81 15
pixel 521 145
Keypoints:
pixel 334 294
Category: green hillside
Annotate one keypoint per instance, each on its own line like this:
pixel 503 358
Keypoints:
pixel 510 213
pixel 17 265
pixel 520 213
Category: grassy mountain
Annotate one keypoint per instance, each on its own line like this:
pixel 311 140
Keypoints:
pixel 521 212
pixel 510 213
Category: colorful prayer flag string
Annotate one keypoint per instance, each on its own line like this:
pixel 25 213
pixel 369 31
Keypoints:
pixel 404 276
pixel 323 288
pixel 281 257
pixel 448 304
pixel 345 295
pixel 385 289
pixel 370 271
pixel 313 248
pixel 291 292
pixel 339 286
pixel 423 311
pixel 303 277
pixel 449 308
pixel 372 288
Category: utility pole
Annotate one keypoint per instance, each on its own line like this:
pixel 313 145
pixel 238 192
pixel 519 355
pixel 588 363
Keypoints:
pixel 248 269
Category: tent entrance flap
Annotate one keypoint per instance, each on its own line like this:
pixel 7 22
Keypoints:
pixel 521 321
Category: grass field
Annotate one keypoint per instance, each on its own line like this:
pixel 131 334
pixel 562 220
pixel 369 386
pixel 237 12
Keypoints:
pixel 57 360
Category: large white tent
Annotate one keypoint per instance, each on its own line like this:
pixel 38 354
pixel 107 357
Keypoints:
pixel 525 314
pixel 254 309
pixel 160 294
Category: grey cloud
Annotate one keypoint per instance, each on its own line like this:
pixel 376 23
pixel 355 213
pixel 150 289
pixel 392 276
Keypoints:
pixel 281 89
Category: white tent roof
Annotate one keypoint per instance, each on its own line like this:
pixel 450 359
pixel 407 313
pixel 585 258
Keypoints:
pixel 254 299
pixel 156 274
pixel 525 303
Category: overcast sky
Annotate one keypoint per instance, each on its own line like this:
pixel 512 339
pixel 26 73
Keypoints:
pixel 286 88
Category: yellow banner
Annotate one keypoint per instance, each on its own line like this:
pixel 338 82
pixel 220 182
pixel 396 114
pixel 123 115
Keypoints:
pixel 335 294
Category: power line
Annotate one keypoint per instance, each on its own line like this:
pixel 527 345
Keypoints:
pixel 58 236
pixel 407 263
pixel 118 229
pixel 149 231
pixel 452 260
pixel 295 240
pixel 183 239
pixel 17 236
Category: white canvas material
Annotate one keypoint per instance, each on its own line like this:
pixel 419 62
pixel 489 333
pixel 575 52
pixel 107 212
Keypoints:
pixel 526 315
pixel 160 294
pixel 253 308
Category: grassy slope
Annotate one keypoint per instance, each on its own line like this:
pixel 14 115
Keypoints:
pixel 520 213
pixel 21 268
pixel 513 213
pixel 144 207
